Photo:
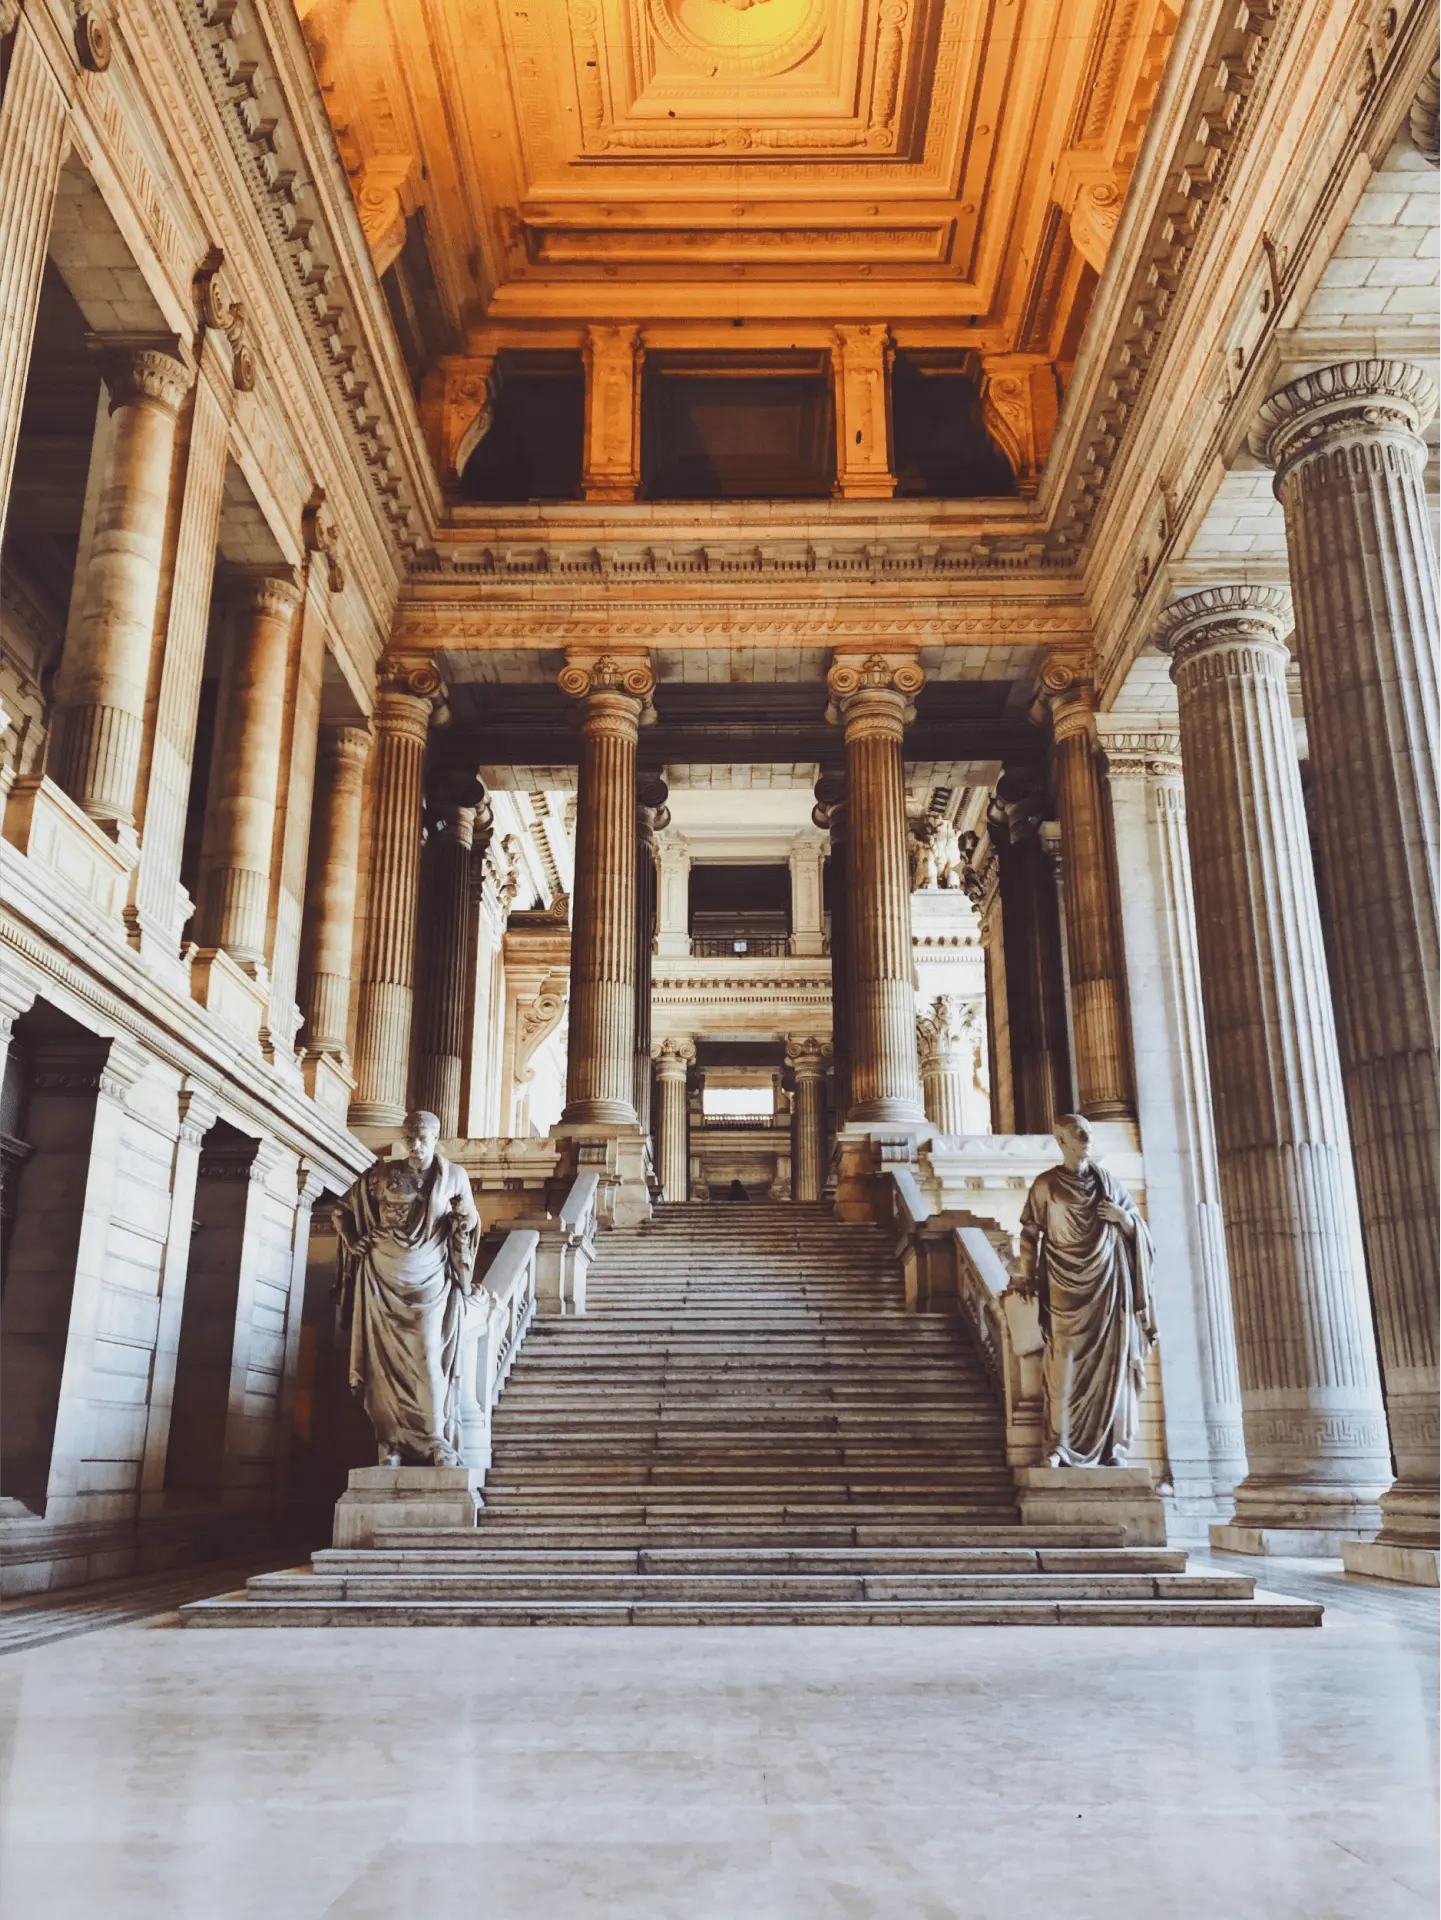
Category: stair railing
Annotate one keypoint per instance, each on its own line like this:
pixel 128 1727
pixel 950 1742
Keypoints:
pixel 953 1262
pixel 496 1317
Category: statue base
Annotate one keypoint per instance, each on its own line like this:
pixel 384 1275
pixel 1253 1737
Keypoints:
pixel 1093 1497
pixel 385 1499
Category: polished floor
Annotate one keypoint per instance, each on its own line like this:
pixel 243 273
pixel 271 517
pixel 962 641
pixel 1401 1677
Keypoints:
pixel 741 1774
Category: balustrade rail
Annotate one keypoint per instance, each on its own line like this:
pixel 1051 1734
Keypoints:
pixel 739 946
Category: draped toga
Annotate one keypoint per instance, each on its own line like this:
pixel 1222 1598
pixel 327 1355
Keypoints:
pixel 1093 1284
pixel 406 1259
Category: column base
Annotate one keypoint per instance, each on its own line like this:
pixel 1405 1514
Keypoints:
pixel 1295 1543
pixel 600 1113
pixel 1379 1560
pixel 384 1498
pixel 1093 1497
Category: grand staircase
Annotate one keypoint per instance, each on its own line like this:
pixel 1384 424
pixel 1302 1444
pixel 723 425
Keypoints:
pixel 747 1427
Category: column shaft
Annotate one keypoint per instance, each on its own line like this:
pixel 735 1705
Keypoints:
pixel 1351 461
pixel 105 668
pixel 652 815
pixel 331 890
pixel 673 1062
pixel 885 1084
pixel 444 970
pixel 1030 963
pixel 33 114
pixel 831 813
pixel 1314 1428
pixel 600 1077
pixel 1093 941
pixel 806 1059
pixel 387 980
pixel 233 910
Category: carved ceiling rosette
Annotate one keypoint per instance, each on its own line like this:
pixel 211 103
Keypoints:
pixel 739 39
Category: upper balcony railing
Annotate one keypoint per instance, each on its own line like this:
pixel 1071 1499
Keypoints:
pixel 748 946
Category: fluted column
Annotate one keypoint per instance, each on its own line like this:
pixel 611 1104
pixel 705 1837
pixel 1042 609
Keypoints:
pixel 806 1058
pixel 830 812
pixel 1035 996
pixel 1346 444
pixel 1173 1092
pixel 440 1024
pixel 1093 921
pixel 652 816
pixel 33 114
pixel 947 1063
pixel 330 897
pixel 673 1062
pixel 410 690
pixel 105 667
pixel 872 700
pixel 600 1076
pixel 234 904
pixel 1310 1394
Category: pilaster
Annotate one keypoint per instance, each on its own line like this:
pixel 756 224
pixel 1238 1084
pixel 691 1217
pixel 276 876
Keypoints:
pixel 861 360
pixel 613 358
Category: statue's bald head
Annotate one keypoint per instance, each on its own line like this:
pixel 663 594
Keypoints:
pixel 421 1131
pixel 1073 1137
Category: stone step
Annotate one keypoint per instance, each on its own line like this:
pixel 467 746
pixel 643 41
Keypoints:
pixel 238 1610
pixel 479 1553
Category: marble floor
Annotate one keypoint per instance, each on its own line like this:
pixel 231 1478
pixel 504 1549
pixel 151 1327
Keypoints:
pixel 149 1773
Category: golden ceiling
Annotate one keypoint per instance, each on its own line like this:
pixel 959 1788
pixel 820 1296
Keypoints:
pixel 948 167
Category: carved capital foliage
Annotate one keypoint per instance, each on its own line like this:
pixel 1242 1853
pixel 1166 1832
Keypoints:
pixel 457 410
pixel 136 371
pixel 806 1055
pixel 1353 399
pixel 673 1058
pixel 1218 617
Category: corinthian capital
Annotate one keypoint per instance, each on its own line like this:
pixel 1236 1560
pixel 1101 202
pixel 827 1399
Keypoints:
pixel 1354 398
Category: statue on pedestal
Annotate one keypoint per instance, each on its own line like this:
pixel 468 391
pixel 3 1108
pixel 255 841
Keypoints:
pixel 1087 1255
pixel 408 1233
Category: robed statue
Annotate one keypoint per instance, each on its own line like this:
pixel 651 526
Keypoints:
pixel 408 1233
pixel 1087 1255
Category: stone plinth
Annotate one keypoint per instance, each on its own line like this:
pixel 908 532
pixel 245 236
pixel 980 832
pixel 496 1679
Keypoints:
pixel 1378 1560
pixel 386 1498
pixel 1093 1497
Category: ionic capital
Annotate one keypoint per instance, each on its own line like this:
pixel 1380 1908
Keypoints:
pixel 872 694
pixel 673 1058
pixel 1355 399
pixel 1217 618
pixel 146 369
pixel 1066 696
pixel 265 592
pixel 410 693
pixel 615 690
pixel 806 1056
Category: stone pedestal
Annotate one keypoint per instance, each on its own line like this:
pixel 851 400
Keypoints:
pixel 1315 1431
pixel 1350 461
pixel 871 698
pixel 104 676
pixel 380 1499
pixel 1093 1497
pixel 1376 1560
pixel 409 692
pixel 233 908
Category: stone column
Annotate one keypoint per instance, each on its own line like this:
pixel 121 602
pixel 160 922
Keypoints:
pixel 410 691
pixel 806 1058
pixel 614 695
pixel 444 955
pixel 330 897
pixel 872 699
pixel 981 877
pixel 105 667
pixel 613 360
pixel 1346 444
pixel 233 909
pixel 1173 1093
pixel 673 914
pixel 830 812
pixel 1030 959
pixel 1093 920
pixel 33 117
pixel 673 1061
pixel 807 917
pixel 652 816
pixel 947 1063
pixel 1315 1431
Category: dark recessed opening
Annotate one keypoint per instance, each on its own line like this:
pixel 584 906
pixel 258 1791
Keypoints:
pixel 941 445
pixel 760 428
pixel 413 297
pixel 535 446
pixel 740 909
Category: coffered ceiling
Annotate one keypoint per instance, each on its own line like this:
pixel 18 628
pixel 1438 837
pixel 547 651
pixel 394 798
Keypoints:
pixel 941 165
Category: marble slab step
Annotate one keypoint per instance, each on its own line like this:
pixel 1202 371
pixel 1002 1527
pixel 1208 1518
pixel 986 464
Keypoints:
pixel 530 1588
pixel 789 1534
pixel 925 1561
pixel 237 1610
